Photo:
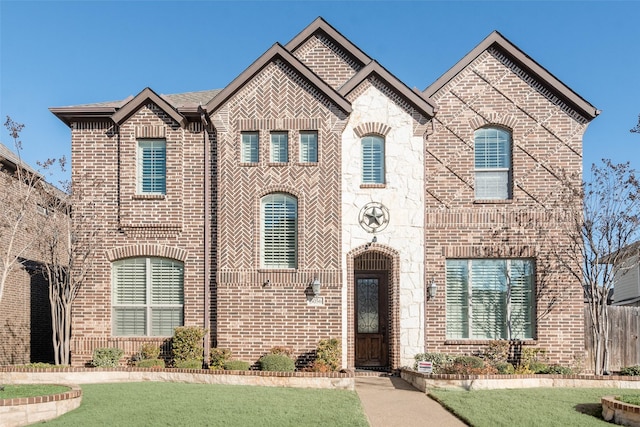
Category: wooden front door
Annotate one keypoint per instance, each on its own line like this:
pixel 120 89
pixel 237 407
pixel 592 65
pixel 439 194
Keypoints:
pixel 371 319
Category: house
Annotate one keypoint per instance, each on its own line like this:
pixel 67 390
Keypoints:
pixel 626 279
pixel 25 314
pixel 318 196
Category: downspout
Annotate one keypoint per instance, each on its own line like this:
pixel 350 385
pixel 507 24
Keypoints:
pixel 207 235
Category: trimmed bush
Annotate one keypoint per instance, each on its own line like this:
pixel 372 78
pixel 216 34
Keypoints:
pixel 287 351
pixel 440 361
pixel 150 363
pixel 106 357
pixel 318 366
pixel 218 358
pixel 497 351
pixel 555 370
pixel 187 346
pixel 236 365
pixel 469 365
pixel 277 363
pixel 188 364
pixel 630 370
pixel 149 351
pixel 329 354
pixel 504 368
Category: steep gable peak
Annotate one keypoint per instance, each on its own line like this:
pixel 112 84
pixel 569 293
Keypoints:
pixel 141 99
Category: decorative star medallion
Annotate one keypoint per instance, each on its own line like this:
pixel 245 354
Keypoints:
pixel 373 217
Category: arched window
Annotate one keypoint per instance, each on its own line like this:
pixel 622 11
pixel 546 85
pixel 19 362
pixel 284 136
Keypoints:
pixel 492 164
pixel 279 231
pixel 148 296
pixel 372 159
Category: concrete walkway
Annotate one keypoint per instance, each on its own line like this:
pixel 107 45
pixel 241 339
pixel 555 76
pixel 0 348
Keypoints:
pixel 391 402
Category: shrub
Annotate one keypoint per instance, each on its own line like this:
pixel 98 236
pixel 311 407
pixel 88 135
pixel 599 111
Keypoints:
pixel 318 366
pixel 504 368
pixel 440 361
pixel 188 364
pixel 277 363
pixel 495 352
pixel 329 354
pixel 469 365
pixel 187 346
pixel 218 358
pixel 555 370
pixel 104 357
pixel 42 365
pixel 531 361
pixel 630 370
pixel 236 365
pixel 287 351
pixel 150 363
pixel 149 351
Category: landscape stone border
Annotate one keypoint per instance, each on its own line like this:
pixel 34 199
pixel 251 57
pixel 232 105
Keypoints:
pixel 28 410
pixel 619 412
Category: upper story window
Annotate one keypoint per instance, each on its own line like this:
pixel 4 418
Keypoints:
pixel 490 299
pixel 250 147
pixel 279 231
pixel 492 148
pixel 152 166
pixel 372 160
pixel 279 147
pixel 147 296
pixel 309 147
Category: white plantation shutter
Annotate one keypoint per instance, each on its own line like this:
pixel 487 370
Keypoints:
pixel 279 147
pixel 308 147
pixel 457 299
pixel 279 231
pixel 372 160
pixel 147 296
pixel 250 147
pixel 488 302
pixel 522 279
pixel 492 163
pixel 152 165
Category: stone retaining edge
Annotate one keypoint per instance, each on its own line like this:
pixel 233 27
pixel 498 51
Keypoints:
pixel 621 413
pixel 28 410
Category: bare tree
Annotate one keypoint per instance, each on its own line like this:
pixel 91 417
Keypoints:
pixel 636 129
pixel 607 224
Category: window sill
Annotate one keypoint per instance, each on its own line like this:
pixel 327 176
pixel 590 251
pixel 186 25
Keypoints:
pixel 278 164
pixel 493 202
pixel 373 185
pixel 307 164
pixel 149 196
pixel 249 164
pixel 485 342
pixel 277 270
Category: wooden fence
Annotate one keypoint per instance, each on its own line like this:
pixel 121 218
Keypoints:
pixel 624 345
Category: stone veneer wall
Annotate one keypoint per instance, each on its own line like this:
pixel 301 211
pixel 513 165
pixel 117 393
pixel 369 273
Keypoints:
pixel 547 143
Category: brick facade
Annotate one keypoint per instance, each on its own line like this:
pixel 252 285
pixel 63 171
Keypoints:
pixel 210 216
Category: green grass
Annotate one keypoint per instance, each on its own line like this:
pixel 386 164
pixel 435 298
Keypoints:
pixel 178 404
pixel 30 390
pixel 633 399
pixel 528 407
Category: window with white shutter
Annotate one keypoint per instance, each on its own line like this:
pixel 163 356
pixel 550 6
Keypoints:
pixel 279 147
pixel 279 231
pixel 152 166
pixel 490 299
pixel 250 147
pixel 148 296
pixel 372 160
pixel 308 147
pixel 492 164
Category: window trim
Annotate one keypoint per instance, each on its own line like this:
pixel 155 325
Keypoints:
pixel 272 158
pixel 148 305
pixel 285 263
pixel 479 170
pixel 468 334
pixel 250 160
pixel 370 174
pixel 140 174
pixel 303 148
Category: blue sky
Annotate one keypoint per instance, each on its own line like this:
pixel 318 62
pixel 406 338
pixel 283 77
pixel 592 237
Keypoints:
pixel 56 53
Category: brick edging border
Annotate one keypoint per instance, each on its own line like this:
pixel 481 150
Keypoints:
pixel 66 395
pixel 620 412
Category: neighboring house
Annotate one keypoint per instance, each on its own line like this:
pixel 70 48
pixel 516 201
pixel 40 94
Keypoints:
pixel 317 166
pixel 25 317
pixel 626 279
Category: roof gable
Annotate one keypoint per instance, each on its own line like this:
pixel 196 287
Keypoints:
pixel 497 40
pixel 273 53
pixel 424 105
pixel 141 99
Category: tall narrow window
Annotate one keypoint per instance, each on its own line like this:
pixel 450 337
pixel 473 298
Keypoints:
pixel 492 164
pixel 308 147
pixel 279 234
pixel 372 160
pixel 250 147
pixel 279 147
pixel 147 296
pixel 152 166
pixel 490 299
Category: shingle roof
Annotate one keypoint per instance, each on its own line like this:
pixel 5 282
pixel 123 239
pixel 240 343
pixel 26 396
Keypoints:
pixel 7 155
pixel 176 100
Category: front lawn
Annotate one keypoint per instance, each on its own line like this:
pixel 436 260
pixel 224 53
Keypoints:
pixel 30 390
pixel 529 407
pixel 179 404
